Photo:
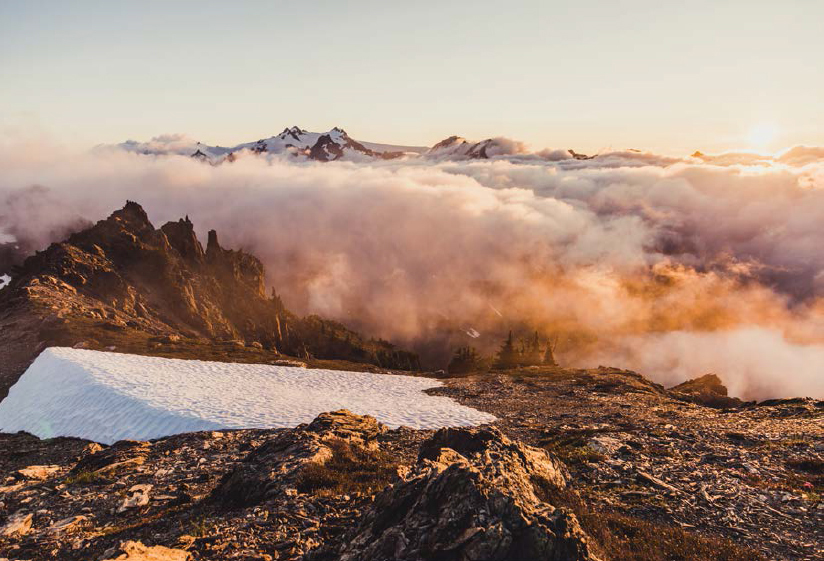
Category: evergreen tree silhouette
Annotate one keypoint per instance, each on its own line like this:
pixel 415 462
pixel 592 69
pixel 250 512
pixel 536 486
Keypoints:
pixel 508 356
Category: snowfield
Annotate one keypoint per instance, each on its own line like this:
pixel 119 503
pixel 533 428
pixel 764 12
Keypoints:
pixel 107 397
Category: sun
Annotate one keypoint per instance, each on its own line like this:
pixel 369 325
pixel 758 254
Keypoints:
pixel 761 136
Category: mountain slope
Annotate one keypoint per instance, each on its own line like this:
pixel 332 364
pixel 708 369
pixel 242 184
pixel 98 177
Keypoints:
pixel 124 283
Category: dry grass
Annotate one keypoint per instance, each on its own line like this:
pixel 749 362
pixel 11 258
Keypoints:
pixel 804 475
pixel 352 469
pixel 633 539
pixel 620 537
pixel 807 476
pixel 571 446
pixel 85 477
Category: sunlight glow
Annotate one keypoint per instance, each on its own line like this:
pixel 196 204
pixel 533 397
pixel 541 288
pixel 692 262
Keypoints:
pixel 762 135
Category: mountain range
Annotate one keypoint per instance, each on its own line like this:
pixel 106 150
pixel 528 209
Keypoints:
pixel 336 144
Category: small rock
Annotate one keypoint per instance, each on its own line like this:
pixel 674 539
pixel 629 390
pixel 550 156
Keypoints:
pixel 605 445
pixel 288 362
pixel 66 524
pixel 139 497
pixel 38 472
pixel 657 482
pixel 17 525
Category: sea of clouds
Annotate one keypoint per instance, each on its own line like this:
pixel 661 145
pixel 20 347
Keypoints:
pixel 671 266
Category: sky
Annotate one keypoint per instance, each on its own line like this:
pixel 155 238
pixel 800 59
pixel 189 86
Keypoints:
pixel 663 76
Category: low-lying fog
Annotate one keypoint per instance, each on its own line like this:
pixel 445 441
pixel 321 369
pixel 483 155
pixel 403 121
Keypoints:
pixel 674 267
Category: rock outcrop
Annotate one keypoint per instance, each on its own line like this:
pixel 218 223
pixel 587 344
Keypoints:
pixel 277 464
pixel 706 390
pixel 474 494
pixel 17 525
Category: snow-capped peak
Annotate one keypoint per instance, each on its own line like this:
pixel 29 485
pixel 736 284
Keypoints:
pixel 451 146
pixel 457 147
pixel 293 133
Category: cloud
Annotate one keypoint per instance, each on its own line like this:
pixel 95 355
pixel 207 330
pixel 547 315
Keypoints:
pixel 624 254
pixel 757 362
pixel 162 144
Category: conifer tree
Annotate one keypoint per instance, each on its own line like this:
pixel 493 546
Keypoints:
pixel 508 356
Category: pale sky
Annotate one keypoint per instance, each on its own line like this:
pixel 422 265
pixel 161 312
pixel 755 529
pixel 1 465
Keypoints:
pixel 665 76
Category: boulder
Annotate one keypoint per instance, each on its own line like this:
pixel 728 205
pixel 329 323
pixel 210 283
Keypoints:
pixel 106 461
pixel 66 524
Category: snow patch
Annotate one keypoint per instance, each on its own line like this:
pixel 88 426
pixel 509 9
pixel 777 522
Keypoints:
pixel 4 280
pixel 107 397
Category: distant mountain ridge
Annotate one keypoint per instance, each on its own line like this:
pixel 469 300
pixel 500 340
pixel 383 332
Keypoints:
pixel 336 144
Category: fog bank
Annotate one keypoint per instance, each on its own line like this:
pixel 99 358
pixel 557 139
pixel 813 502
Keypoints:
pixel 672 266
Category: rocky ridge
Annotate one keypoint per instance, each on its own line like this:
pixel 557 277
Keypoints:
pixel 473 494
pixel 123 283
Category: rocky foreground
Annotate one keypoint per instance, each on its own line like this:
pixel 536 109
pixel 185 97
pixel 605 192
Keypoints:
pixel 597 464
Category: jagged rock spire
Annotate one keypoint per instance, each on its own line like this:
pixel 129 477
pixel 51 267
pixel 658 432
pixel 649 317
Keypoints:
pixel 212 245
pixel 133 215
